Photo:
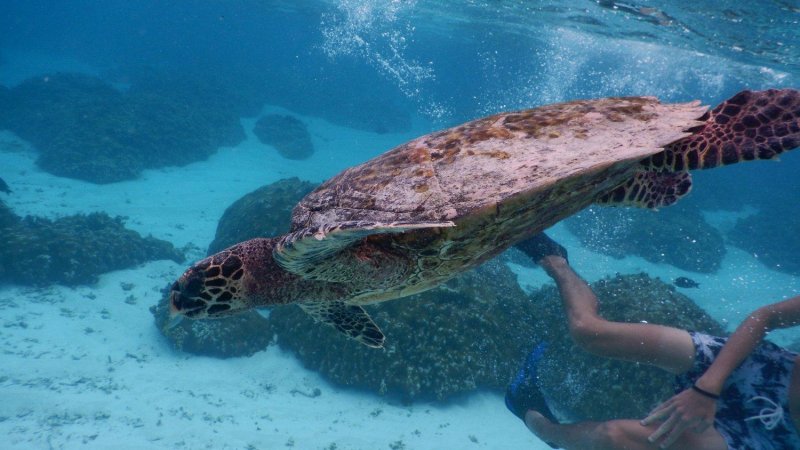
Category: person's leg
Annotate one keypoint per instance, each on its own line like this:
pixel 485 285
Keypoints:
pixel 666 347
pixel 669 348
pixel 615 434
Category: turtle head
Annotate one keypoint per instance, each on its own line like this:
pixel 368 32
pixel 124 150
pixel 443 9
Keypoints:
pixel 212 287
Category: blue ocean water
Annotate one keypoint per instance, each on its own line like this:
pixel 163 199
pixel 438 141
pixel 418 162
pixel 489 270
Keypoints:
pixel 83 364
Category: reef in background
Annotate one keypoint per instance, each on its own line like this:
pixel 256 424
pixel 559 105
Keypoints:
pixel 772 235
pixel 265 212
pixel 85 128
pixel 72 250
pixel 676 235
pixel 287 134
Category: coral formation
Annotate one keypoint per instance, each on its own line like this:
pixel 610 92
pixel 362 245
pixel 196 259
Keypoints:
pixel 84 128
pixel 72 250
pixel 581 386
pixel 772 235
pixel 287 134
pixel 467 334
pixel 678 235
pixel 265 212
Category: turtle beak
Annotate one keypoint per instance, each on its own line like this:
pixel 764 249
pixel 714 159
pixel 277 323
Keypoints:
pixel 174 320
pixel 175 317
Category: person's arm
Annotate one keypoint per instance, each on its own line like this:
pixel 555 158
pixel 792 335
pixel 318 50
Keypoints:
pixel 692 409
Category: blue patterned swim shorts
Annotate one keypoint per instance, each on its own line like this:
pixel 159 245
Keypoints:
pixel 753 409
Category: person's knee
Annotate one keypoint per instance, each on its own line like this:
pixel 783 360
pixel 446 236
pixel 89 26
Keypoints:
pixel 611 435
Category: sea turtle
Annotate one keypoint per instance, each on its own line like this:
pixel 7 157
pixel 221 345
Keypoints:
pixel 422 212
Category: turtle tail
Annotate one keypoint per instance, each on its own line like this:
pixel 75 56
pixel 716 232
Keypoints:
pixel 750 125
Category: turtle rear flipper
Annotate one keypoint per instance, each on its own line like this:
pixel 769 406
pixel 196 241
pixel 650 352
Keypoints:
pixel 351 320
pixel 750 125
pixel 311 252
pixel 649 189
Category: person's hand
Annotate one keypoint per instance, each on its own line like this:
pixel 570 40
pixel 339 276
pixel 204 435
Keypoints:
pixel 687 410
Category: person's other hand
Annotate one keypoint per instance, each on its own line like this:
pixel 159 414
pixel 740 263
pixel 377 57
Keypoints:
pixel 687 410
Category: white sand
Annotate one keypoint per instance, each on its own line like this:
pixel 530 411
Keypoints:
pixel 86 368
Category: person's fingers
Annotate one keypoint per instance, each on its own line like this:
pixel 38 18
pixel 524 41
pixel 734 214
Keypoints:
pixel 662 405
pixel 664 428
pixel 674 434
pixel 658 414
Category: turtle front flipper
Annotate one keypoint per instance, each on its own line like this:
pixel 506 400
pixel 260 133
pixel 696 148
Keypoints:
pixel 351 320
pixel 649 189
pixel 311 252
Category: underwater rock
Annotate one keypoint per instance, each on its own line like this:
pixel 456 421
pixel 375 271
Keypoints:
pixel 581 386
pixel 240 335
pixel 677 235
pixel 84 128
pixel 72 250
pixel 7 217
pixel 287 134
pixel 772 235
pixel 470 333
pixel 265 212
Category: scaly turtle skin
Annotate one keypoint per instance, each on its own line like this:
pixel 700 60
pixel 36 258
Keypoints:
pixel 443 203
